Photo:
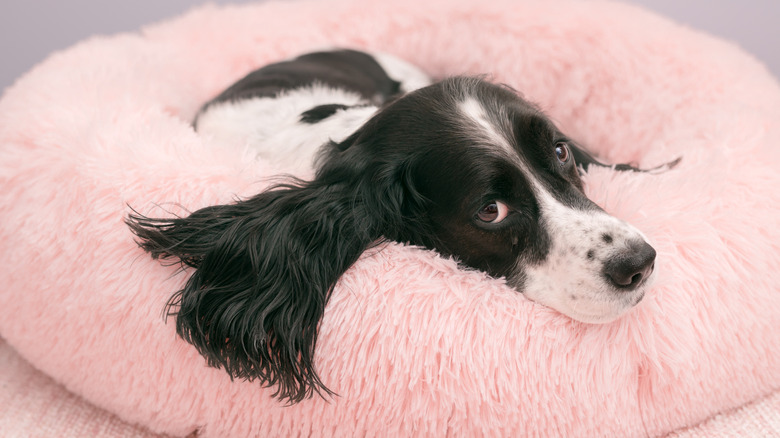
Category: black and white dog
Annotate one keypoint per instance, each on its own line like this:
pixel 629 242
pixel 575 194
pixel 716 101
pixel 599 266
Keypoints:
pixel 460 166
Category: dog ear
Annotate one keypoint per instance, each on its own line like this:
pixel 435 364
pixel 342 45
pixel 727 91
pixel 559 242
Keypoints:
pixel 585 159
pixel 264 270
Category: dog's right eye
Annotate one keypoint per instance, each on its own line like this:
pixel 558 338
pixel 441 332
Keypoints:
pixel 562 152
pixel 493 212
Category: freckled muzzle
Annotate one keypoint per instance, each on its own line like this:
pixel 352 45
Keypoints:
pixel 597 268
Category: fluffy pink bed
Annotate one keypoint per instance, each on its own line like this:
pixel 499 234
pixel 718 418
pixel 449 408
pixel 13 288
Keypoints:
pixel 412 344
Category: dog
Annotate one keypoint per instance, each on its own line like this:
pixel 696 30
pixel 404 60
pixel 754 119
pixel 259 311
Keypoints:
pixel 461 166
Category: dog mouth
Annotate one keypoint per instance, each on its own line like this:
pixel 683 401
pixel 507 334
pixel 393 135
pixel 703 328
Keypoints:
pixel 606 311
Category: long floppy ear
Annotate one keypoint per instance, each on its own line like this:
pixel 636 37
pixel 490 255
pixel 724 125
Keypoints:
pixel 585 159
pixel 265 268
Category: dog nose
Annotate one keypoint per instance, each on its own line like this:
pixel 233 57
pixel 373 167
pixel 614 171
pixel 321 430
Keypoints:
pixel 630 266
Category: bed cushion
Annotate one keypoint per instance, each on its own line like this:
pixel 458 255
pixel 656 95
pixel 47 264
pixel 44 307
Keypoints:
pixel 412 344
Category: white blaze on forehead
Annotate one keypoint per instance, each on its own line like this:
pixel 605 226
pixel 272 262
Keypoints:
pixel 490 131
pixel 475 112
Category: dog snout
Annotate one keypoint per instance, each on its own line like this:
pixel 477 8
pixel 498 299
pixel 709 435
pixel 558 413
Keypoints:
pixel 627 269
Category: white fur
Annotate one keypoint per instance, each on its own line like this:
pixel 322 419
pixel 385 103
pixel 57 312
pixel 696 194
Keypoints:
pixel 491 133
pixel 271 126
pixel 410 77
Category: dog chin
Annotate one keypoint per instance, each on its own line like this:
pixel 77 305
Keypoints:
pixel 609 315
pixel 602 305
pixel 605 310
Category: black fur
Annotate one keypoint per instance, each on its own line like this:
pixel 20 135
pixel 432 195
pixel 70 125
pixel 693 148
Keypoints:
pixel 321 112
pixel 259 288
pixel 345 69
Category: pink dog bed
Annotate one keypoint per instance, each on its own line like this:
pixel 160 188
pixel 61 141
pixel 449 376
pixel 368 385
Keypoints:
pixel 412 344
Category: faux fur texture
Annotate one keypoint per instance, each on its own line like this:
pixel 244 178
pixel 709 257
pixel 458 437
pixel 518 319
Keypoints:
pixel 412 344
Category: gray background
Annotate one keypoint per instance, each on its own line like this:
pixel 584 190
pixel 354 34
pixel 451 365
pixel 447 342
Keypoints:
pixel 29 30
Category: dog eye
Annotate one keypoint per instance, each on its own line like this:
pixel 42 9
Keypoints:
pixel 562 152
pixel 493 212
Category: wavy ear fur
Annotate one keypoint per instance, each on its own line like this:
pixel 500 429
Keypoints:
pixel 584 160
pixel 265 268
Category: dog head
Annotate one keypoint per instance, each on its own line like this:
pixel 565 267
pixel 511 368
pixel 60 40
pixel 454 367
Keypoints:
pixel 463 166
pixel 490 180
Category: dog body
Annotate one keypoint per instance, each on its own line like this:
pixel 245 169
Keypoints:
pixel 287 111
pixel 461 166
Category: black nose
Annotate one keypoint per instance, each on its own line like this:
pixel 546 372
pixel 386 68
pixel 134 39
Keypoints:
pixel 626 269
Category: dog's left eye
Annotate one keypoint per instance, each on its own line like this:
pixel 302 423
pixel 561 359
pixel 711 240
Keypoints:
pixel 493 212
pixel 562 152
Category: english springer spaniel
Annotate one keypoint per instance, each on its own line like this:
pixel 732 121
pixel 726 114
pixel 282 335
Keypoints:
pixel 461 166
